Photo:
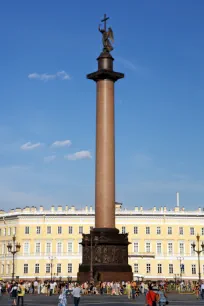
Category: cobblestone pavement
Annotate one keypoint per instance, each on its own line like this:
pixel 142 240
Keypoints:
pixel 38 300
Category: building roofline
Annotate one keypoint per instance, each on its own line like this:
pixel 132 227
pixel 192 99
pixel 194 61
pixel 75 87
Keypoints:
pixel 80 213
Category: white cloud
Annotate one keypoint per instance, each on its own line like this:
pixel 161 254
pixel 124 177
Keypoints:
pixel 41 77
pixel 63 75
pixel 79 155
pixel 50 158
pixel 61 143
pixel 60 75
pixel 29 146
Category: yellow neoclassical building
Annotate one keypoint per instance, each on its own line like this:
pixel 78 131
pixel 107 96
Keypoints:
pixel 50 241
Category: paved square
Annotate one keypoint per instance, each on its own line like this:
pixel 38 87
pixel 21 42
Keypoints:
pixel 38 300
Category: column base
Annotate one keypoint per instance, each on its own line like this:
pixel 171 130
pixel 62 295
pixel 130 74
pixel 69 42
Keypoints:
pixel 110 256
pixel 106 276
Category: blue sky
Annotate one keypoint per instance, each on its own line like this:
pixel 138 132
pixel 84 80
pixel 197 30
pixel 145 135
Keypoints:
pixel 47 48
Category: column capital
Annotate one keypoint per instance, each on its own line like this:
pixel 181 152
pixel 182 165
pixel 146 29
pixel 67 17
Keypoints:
pixel 103 74
pixel 105 69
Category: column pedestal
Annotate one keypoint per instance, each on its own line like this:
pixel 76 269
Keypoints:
pixel 110 256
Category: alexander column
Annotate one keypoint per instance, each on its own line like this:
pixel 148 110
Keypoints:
pixel 105 251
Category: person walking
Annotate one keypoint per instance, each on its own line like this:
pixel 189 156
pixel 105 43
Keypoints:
pixel 63 297
pixel 129 290
pixel 151 297
pixel 145 288
pixel 197 291
pixel 202 290
pixel 52 287
pixel 14 293
pixel 162 297
pixel 76 294
pixel 35 287
pixel 21 293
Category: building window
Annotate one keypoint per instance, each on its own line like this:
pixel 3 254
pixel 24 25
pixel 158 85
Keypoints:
pixel 192 249
pixel 27 230
pixel 169 230
pixel 170 248
pixel 69 247
pixel 158 230
pixel 49 230
pixel 136 270
pixel 123 230
pixel 37 268
pixel 59 268
pixel 80 248
pixel 135 247
pixel 59 248
pixel 26 248
pixel 193 268
pixel 9 231
pixel 4 231
pixel 180 230
pixel 171 269
pixel 48 247
pixel 8 269
pixel 25 268
pixel 2 269
pixel 59 231
pixel 38 230
pixel 4 249
pixel 70 230
pixel 148 247
pixel 80 229
pixel 181 248
pixel 148 230
pixel 135 230
pixel 37 248
pixel 48 269
pixel 159 268
pixel 192 231
pixel 14 231
pixel 148 268
pixel 182 267
pixel 69 268
pixel 202 231
pixel 159 248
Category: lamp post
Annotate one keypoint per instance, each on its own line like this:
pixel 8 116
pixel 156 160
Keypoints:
pixel 180 260
pixel 95 241
pixel 175 279
pixel 51 266
pixel 13 248
pixel 198 251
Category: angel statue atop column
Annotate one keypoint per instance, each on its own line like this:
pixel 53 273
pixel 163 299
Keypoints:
pixel 107 36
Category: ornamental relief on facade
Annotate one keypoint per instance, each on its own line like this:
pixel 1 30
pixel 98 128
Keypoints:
pixel 106 254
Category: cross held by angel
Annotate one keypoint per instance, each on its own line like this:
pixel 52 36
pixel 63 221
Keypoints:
pixel 107 36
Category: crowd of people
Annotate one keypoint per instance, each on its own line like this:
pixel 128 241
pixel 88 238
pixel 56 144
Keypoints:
pixel 154 293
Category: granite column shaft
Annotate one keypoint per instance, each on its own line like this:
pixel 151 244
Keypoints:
pixel 105 155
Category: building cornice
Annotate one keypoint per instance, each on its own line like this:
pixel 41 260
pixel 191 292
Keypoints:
pixel 16 216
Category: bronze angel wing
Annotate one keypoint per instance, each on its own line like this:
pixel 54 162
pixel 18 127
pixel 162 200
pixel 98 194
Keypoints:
pixel 110 35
